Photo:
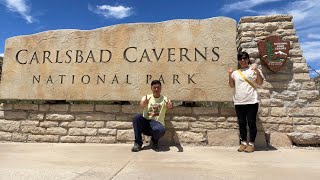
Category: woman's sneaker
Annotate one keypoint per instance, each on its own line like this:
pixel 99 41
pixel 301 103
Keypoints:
pixel 249 149
pixel 242 147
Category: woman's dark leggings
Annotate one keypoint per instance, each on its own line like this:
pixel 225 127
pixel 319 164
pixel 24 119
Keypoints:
pixel 247 115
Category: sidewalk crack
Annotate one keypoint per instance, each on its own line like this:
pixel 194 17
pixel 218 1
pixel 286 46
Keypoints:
pixel 122 167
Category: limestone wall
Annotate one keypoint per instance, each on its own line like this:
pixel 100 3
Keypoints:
pixel 88 123
pixel 290 101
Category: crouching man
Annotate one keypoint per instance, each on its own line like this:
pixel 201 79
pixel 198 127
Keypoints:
pixel 151 122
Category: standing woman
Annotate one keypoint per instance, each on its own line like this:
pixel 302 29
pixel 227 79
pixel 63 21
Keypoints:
pixel 246 98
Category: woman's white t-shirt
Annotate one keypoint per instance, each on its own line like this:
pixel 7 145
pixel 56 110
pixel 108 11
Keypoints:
pixel 244 93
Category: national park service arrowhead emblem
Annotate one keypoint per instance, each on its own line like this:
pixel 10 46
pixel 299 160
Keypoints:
pixel 273 52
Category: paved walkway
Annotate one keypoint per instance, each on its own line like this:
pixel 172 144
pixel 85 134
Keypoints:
pixel 100 161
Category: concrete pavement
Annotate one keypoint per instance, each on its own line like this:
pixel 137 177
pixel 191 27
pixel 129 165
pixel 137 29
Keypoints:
pixel 116 161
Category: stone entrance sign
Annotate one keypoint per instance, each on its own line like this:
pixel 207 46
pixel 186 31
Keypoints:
pixel 190 58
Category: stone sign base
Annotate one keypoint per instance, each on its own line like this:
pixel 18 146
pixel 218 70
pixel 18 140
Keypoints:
pixel 89 123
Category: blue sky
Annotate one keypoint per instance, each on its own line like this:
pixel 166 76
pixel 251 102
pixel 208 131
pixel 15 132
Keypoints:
pixel 22 17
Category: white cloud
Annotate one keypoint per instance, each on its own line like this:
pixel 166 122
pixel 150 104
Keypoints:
pixel 311 50
pixel 118 12
pixel 21 7
pixel 245 5
pixel 1 54
pixel 313 36
pixel 314 74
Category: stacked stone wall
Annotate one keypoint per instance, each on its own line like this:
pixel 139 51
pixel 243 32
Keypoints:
pixel 290 101
pixel 89 123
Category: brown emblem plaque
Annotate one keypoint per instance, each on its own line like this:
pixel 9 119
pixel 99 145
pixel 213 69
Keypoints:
pixel 273 52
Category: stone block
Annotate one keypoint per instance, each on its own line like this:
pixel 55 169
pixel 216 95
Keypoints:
pixel 33 130
pixel 30 123
pixel 232 119
pixel 308 85
pixel 118 125
pixel 300 68
pixel 44 107
pixel 43 138
pixel 190 137
pixel 36 116
pixel 6 107
pixel 305 138
pixel 303 120
pixel 277 120
pixel 265 103
pixel 108 108
pixel 270 127
pixel 183 118
pixel 125 117
pixel 245 39
pixel 228 111
pixel 59 107
pixel 130 109
pixel 105 131
pixel 203 125
pixel 264 93
pixel 95 117
pixel 291 38
pixel 316 120
pixel 227 125
pixel 15 115
pixel 73 139
pixel 9 126
pixel 5 136
pixel 286 32
pixel 311 94
pixel 180 111
pixel 82 131
pixel 81 107
pixel 59 117
pixel 223 137
pixel 212 119
pixel 285 128
pixel 56 131
pixel 48 124
pixel 95 124
pixel 278 139
pixel 205 110
pixel 299 77
pixel 125 135
pixel 270 18
pixel 307 128
pixel 249 45
pixel 17 137
pixel 28 107
pixel 263 111
pixel 304 112
pixel 294 86
pixel 100 139
pixel 277 102
pixel 278 111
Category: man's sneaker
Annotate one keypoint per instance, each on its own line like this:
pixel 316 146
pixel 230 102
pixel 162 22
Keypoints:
pixel 136 147
pixel 242 147
pixel 249 149
pixel 154 145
